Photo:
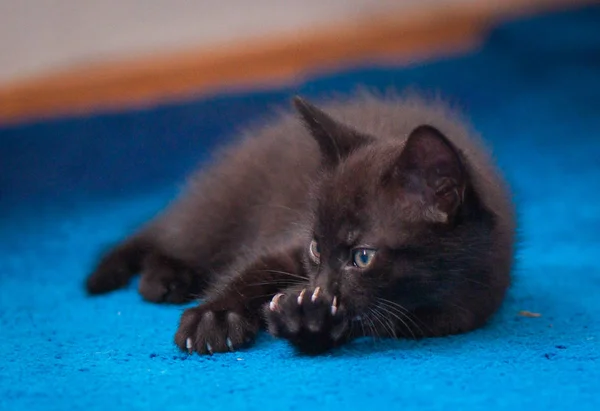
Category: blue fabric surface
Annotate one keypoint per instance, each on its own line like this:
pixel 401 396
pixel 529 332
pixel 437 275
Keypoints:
pixel 70 187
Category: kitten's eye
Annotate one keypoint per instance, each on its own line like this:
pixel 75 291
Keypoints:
pixel 363 257
pixel 315 252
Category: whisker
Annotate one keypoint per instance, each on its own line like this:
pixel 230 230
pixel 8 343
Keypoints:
pixel 401 310
pixel 377 318
pixel 350 329
pixel 285 273
pixel 362 325
pixel 374 332
pixel 387 325
pixel 399 315
pixel 276 282
pixel 256 297
pixel 404 313
pixel 392 303
pixel 406 316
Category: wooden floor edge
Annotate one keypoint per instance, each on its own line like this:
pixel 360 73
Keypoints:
pixel 401 37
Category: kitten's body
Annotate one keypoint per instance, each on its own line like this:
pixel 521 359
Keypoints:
pixel 253 213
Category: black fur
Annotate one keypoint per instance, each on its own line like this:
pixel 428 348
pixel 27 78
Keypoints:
pixel 371 216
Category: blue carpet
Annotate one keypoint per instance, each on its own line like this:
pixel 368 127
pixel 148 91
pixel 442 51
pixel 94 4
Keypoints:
pixel 69 187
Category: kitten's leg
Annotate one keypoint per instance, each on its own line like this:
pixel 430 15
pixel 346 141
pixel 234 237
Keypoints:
pixel 117 267
pixel 232 318
pixel 163 278
pixel 168 280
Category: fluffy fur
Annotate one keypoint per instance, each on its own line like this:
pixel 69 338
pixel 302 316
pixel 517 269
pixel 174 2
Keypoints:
pixel 368 216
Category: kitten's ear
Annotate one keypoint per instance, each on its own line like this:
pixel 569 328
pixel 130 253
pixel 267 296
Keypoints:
pixel 335 139
pixel 432 157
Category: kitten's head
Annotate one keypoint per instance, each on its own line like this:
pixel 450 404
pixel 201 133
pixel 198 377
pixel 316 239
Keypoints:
pixel 389 217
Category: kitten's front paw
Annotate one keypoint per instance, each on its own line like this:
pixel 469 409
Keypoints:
pixel 310 319
pixel 206 330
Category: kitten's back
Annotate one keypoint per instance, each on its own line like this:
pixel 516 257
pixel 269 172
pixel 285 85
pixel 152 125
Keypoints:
pixel 255 192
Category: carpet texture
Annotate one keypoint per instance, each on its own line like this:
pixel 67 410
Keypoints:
pixel 70 187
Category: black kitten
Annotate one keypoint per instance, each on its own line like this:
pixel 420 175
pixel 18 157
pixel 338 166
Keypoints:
pixel 382 217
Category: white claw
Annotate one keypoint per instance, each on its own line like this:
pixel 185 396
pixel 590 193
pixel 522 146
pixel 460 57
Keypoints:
pixel 188 344
pixel 273 304
pixel 315 294
pixel 301 296
pixel 209 348
pixel 334 306
pixel 229 344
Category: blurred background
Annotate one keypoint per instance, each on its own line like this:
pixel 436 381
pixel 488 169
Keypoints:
pixel 62 56
pixel 46 35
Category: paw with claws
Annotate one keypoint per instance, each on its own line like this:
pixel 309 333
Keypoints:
pixel 310 318
pixel 208 329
